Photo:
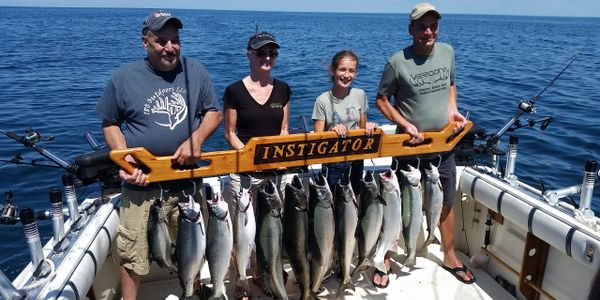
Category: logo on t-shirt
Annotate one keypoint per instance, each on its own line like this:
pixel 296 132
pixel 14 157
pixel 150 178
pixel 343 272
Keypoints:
pixel 430 77
pixel 167 106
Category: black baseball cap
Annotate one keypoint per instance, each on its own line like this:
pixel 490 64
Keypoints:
pixel 158 19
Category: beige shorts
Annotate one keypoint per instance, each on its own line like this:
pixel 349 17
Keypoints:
pixel 132 231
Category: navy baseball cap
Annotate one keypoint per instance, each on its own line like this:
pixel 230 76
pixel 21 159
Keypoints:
pixel 260 39
pixel 158 19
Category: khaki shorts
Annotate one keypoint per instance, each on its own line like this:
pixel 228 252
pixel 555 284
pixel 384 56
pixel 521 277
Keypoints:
pixel 132 231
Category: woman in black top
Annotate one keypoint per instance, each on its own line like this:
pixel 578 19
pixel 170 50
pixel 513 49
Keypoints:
pixel 257 105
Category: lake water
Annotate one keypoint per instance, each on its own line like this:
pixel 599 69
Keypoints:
pixel 56 61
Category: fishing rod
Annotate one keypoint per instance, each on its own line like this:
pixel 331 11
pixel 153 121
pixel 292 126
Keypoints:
pixel 31 139
pixel 18 160
pixel 527 106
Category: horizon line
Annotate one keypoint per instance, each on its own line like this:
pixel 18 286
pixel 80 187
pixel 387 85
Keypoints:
pixel 287 11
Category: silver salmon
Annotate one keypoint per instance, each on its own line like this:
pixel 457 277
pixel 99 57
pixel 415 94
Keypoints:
pixel 159 241
pixel 412 212
pixel 392 217
pixel 245 232
pixel 433 201
pixel 346 220
pixel 220 243
pixel 191 245
pixel 321 230
pixel 269 240
pixel 370 221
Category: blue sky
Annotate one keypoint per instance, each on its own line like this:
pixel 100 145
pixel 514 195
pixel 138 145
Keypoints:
pixel 571 8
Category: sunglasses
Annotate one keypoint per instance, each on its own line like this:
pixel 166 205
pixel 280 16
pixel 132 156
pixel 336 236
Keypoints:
pixel 422 27
pixel 264 53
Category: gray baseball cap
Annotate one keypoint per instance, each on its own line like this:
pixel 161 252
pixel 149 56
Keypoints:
pixel 421 9
pixel 260 39
pixel 158 19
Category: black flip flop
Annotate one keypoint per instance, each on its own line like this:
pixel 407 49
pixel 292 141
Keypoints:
pixel 381 274
pixel 454 272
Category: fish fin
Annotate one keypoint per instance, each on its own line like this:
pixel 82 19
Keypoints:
pixel 202 225
pixel 359 267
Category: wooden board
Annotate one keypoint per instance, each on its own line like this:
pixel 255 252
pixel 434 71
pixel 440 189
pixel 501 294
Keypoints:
pixel 272 152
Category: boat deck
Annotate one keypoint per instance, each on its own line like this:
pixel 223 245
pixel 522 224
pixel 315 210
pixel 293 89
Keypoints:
pixel 427 281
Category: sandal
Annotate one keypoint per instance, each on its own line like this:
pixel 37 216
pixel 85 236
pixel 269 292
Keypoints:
pixel 381 274
pixel 455 271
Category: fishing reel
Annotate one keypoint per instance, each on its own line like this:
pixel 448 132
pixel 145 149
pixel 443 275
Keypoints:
pixel 526 106
pixel 33 136
pixel 8 213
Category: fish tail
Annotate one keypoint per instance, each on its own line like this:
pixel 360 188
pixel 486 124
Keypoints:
pixel 342 288
pixel 430 239
pixel 410 260
pixel 308 295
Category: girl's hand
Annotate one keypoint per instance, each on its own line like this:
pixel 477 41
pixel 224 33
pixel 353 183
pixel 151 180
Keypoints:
pixel 369 128
pixel 340 129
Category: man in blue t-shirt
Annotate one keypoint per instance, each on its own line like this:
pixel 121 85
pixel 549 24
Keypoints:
pixel 420 78
pixel 167 104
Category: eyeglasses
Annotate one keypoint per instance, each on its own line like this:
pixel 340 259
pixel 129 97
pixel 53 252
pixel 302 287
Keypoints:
pixel 264 53
pixel 422 27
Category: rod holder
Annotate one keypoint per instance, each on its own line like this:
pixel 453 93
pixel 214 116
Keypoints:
pixel 32 235
pixel 496 161
pixel 8 290
pixel 511 160
pixel 587 189
pixel 58 220
pixel 552 196
pixel 69 185
pixel 89 137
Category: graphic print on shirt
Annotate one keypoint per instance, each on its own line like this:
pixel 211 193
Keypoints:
pixel 167 106
pixel 431 81
pixel 351 115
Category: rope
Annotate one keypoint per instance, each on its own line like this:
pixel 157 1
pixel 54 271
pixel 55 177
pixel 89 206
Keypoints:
pixel 590 222
pixel 37 284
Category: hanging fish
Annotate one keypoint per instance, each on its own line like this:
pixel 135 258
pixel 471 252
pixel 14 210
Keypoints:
pixel 220 243
pixel 346 220
pixel 433 201
pixel 370 221
pixel 269 240
pixel 295 234
pixel 321 230
pixel 412 212
pixel 191 245
pixel 159 241
pixel 392 220
pixel 245 232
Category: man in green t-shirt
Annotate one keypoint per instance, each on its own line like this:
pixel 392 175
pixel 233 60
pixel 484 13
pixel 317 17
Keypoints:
pixel 420 78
